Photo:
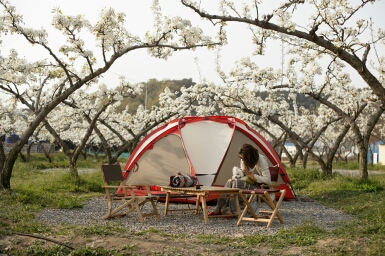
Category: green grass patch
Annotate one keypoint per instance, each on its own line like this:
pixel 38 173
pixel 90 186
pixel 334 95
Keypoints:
pixel 58 160
pixel 214 239
pixel 56 189
pixel 34 189
pixel 354 165
pixel 301 178
pixel 110 229
pixel 363 199
pixel 303 235
pixel 39 249
pixel 86 251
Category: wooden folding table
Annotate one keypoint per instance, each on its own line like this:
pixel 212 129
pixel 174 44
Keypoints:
pixel 201 194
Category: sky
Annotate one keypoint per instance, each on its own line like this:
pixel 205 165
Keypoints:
pixel 138 66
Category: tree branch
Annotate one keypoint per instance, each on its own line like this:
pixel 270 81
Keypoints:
pixel 44 238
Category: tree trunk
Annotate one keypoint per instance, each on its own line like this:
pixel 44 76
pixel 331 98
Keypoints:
pixel 108 154
pixel 29 151
pixel 23 158
pixel 279 152
pixel 304 161
pixel 96 153
pixel 46 153
pixel 329 169
pixel 6 173
pixel 2 161
pixel 84 153
pixel 73 169
pixel 128 146
pixel 69 155
pixel 299 154
pixel 363 166
pixel 292 160
pixel 323 167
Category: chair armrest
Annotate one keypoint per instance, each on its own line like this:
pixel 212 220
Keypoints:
pixel 122 186
pixel 260 191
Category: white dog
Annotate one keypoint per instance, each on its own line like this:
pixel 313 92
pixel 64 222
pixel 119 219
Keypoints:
pixel 237 173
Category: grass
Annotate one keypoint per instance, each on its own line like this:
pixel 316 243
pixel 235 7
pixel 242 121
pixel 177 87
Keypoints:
pixel 353 165
pixel 34 189
pixel 39 162
pixel 364 199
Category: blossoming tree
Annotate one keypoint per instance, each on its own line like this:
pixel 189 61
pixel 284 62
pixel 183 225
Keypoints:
pixel 43 85
pixel 326 39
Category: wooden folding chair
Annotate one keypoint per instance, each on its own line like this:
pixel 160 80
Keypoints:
pixel 265 216
pixel 112 173
pixel 274 172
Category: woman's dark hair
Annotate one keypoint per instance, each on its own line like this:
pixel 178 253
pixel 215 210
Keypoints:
pixel 249 155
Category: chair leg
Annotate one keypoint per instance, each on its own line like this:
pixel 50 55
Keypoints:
pixel 271 214
pixel 155 210
pixel 275 212
pixel 140 215
pixel 111 213
pixel 109 210
pixel 274 206
pixel 247 208
pixel 132 203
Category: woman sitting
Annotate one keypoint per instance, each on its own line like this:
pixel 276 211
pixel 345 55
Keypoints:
pixel 255 167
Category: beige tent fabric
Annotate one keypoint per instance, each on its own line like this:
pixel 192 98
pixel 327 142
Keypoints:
pixel 231 159
pixel 206 143
pixel 165 159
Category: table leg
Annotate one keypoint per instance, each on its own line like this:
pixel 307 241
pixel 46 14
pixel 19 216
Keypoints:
pixel 166 203
pixel 204 209
pixel 197 204
pixel 244 210
pixel 238 208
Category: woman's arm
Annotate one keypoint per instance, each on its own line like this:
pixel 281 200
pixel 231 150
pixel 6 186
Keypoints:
pixel 263 169
pixel 243 167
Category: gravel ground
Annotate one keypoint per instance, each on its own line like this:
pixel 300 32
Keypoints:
pixel 293 213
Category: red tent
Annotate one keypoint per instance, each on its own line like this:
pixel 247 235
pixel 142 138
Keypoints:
pixel 205 147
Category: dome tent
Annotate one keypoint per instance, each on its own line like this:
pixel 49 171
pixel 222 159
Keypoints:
pixel 205 147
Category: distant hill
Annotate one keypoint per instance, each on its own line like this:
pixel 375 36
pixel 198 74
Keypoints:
pixel 155 87
pixel 302 100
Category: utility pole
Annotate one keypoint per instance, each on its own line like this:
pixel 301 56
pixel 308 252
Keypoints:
pixel 145 99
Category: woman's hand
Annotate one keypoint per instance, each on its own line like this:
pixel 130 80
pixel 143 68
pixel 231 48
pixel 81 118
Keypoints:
pixel 246 172
pixel 250 175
